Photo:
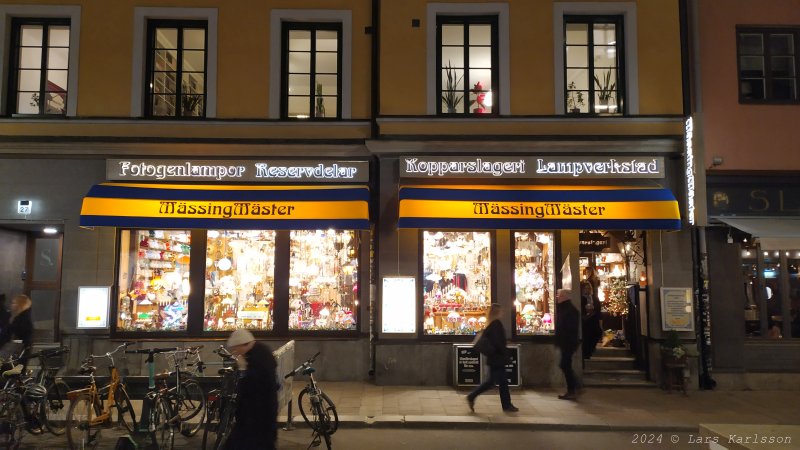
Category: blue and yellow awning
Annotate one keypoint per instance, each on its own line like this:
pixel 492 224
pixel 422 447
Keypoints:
pixel 132 205
pixel 538 207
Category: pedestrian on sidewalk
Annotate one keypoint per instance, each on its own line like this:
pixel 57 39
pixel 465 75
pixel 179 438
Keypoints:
pixel 256 426
pixel 567 319
pixel 497 358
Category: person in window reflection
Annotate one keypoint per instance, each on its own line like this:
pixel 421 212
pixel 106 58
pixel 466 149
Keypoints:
pixel 256 426
pixel 497 360
pixel 567 318
pixel 590 319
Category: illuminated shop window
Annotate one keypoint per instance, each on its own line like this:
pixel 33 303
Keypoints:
pixel 457 285
pixel 534 283
pixel 323 280
pixel 240 280
pixel 153 280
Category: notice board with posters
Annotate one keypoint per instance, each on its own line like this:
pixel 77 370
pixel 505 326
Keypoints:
pixel 468 364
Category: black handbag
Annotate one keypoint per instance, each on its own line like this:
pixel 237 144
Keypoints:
pixel 482 344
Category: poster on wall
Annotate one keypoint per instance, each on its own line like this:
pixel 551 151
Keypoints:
pixel 677 309
pixel 468 365
pixel 93 302
pixel 398 305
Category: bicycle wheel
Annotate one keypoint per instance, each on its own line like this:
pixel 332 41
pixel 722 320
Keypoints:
pixel 190 405
pixel 13 424
pixel 163 433
pixel 54 407
pixel 211 425
pixel 80 433
pixel 228 416
pixel 331 420
pixel 125 413
pixel 324 423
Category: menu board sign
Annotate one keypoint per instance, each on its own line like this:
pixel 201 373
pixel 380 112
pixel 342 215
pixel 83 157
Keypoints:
pixel 468 365
pixel 398 305
pixel 512 367
pixel 677 309
pixel 93 304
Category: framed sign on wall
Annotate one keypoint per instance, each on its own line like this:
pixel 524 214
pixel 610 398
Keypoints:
pixel 677 309
pixel 93 302
pixel 398 305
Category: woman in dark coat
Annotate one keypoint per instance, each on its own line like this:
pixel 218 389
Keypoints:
pixel 567 339
pixel 590 318
pixel 21 326
pixel 497 358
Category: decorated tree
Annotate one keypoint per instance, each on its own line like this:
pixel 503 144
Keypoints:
pixel 617 301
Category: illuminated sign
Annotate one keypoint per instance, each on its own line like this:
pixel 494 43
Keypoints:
pixel 398 305
pixel 93 304
pixel 532 167
pixel 236 171
pixel 690 205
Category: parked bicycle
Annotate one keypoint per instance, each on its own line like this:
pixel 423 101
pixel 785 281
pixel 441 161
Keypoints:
pixel 91 408
pixel 20 405
pixel 315 406
pixel 158 418
pixel 221 404
pixel 53 414
pixel 182 389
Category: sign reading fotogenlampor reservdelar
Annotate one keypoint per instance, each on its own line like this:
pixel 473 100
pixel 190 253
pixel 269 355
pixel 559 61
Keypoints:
pixel 398 305
pixel 93 302
pixel 265 171
pixel 571 167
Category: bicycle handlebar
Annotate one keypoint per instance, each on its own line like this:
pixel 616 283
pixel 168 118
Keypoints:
pixel 47 352
pixel 111 353
pixel 148 351
pixel 307 363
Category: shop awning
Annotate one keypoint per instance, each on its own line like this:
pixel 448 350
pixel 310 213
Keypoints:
pixel 774 233
pixel 132 205
pixel 538 207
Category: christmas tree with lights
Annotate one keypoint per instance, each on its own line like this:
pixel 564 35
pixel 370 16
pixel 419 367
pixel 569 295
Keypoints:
pixel 617 301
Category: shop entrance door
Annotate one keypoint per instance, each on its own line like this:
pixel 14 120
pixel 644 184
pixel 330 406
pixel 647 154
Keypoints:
pixel 42 277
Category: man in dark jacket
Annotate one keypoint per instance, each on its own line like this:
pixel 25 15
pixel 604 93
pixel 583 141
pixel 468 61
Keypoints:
pixel 256 426
pixel 567 319
pixel 497 358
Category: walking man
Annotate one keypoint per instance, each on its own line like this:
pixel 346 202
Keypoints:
pixel 567 319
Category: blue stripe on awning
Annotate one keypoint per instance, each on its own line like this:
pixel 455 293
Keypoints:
pixel 537 195
pixel 240 224
pixel 534 224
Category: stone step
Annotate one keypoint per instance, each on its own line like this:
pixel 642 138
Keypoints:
pixel 615 375
pixel 610 363
pixel 590 382
pixel 611 351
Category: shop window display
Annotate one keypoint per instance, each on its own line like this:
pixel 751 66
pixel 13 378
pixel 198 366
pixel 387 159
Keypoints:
pixel 323 280
pixel 154 280
pixel 534 283
pixel 457 285
pixel 240 280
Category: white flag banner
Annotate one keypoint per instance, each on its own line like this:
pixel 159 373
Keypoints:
pixel 566 274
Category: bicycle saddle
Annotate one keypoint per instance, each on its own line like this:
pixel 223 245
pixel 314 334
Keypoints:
pixel 86 370
pixel 13 372
pixel 226 370
pixel 162 375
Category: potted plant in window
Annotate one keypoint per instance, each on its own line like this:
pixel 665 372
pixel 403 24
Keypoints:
pixel 605 91
pixel 574 98
pixel 319 105
pixel 189 101
pixel 450 93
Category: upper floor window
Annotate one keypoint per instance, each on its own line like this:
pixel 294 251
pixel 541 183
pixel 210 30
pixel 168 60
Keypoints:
pixel 768 65
pixel 39 66
pixel 593 64
pixel 312 62
pixel 176 68
pixel 467 61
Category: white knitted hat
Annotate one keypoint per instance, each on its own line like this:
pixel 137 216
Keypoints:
pixel 239 337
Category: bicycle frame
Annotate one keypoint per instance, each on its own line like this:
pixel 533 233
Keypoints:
pixel 94 393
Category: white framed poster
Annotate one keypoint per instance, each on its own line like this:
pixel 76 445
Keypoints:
pixel 677 309
pixel 399 305
pixel 93 302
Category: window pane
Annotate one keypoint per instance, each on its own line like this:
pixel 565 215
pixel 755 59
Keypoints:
pixel 480 57
pixel 753 89
pixel 164 83
pixel 773 277
pixel 453 56
pixel 752 324
pixel 326 84
pixel 327 108
pixel 452 79
pixel 327 63
pixel 794 291
pixel 605 34
pixel 240 280
pixel 163 105
pixel 166 38
pixel 452 102
pixel 29 80
pixel 480 96
pixel 154 280
pixel 31 35
pixel 452 35
pixel 166 60
pixel 299 40
pixel 580 77
pixel 56 103
pixel 457 281
pixel 299 62
pixel 58 36
pixel 43 307
pixel 192 105
pixel 194 39
pixel 194 61
pixel 30 58
pixel 299 84
pixel 751 44
pixel 480 35
pixel 782 66
pixel 577 56
pixel 45 259
pixel 56 80
pixel 752 66
pixel 28 103
pixel 57 58
pixel 783 89
pixel 534 281
pixel 192 83
pixel 299 107
pixel 781 44
pixel 327 41
pixel 577 34
pixel 605 56
pixel 323 280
